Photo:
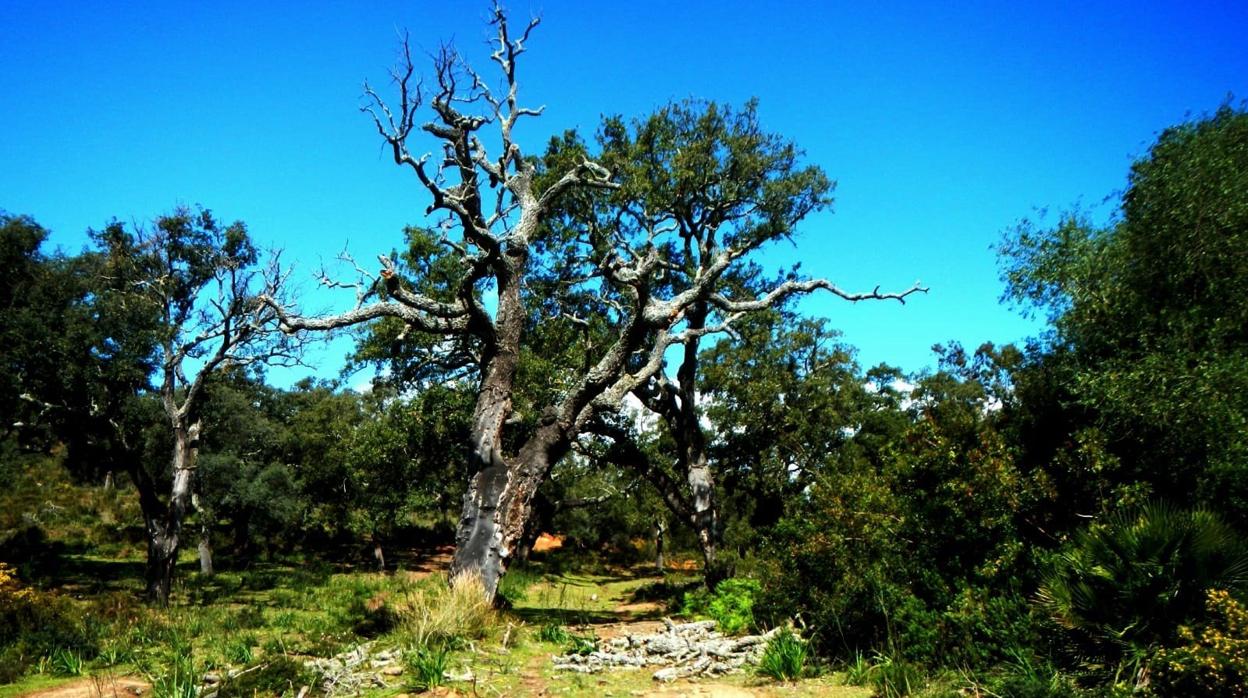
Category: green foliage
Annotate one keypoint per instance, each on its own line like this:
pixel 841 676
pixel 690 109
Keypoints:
pixel 731 605
pixel 888 677
pixel 66 662
pixel 784 658
pixel 1149 312
pixel 426 666
pixel 582 644
pixel 554 633
pixel 515 585
pixel 1028 676
pixel 1126 585
pixel 238 649
pixel 1211 659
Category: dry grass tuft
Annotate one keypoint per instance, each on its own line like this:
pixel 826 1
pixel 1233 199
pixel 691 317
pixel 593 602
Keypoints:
pixel 434 613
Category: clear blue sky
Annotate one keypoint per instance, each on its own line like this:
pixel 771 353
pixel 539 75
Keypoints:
pixel 942 122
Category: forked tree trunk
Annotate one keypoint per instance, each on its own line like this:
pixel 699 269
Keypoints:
pixel 497 507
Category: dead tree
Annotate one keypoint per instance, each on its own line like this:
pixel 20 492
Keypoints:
pixel 504 216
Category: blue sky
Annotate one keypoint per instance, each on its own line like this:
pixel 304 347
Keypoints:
pixel 943 123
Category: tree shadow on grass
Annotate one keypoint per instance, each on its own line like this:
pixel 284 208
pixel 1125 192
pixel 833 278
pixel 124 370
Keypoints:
pixel 608 595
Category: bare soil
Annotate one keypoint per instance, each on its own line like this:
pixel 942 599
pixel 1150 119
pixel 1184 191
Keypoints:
pixel 107 687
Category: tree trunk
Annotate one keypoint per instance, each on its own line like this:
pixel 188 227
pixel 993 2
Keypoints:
pixel 242 536
pixel 686 426
pixel 659 530
pixel 162 555
pixel 500 496
pixel 163 536
pixel 108 480
pixel 705 519
pixel 205 552
pixel 379 555
pixel 497 507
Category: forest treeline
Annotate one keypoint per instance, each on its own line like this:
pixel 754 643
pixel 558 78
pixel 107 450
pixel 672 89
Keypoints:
pixel 1072 509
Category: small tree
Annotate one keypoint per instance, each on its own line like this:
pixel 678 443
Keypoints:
pixel 199 281
pixel 638 280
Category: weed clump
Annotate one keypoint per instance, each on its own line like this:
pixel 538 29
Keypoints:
pixel 445 615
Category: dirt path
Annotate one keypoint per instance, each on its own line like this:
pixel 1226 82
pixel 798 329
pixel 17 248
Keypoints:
pixel 101 687
pixel 702 690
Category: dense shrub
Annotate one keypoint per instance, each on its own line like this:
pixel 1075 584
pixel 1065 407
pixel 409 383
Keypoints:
pixel 731 605
pixel 1213 660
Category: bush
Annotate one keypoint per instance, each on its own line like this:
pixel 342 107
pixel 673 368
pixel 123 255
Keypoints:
pixel 891 677
pixel 1212 661
pixel 1028 676
pixel 179 678
pixel 731 605
pixel 36 625
pixel 784 658
pixel 554 633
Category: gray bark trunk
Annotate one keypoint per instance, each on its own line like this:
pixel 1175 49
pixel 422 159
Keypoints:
pixel 499 499
pixel 162 554
pixel 496 507
pixel 379 556
pixel 659 530
pixel 164 535
pixel 108 480
pixel 205 552
pixel 687 428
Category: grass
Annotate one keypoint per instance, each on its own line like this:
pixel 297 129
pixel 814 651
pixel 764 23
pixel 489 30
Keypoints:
pixel 426 666
pixel 276 611
pixel 784 658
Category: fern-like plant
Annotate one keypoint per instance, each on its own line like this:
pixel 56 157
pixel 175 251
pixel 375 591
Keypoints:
pixel 1126 585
